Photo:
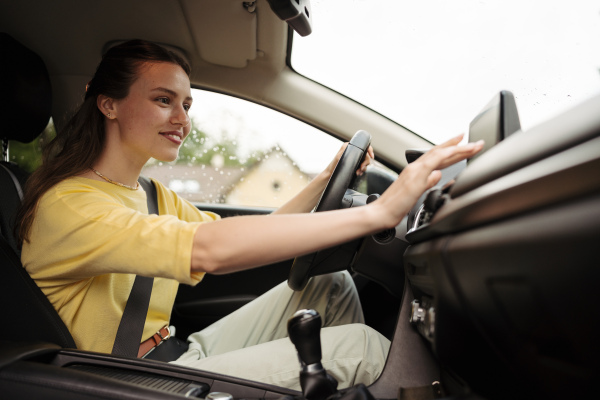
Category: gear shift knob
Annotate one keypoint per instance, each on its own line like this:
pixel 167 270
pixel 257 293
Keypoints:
pixel 304 329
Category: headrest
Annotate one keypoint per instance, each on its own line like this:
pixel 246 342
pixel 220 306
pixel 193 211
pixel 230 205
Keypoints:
pixel 25 81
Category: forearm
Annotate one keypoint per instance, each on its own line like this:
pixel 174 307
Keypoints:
pixel 307 198
pixel 240 243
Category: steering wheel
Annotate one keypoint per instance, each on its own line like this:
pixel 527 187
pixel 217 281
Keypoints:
pixel 342 178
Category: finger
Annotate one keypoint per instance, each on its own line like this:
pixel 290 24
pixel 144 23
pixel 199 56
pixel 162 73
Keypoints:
pixel 453 141
pixel 369 156
pixel 442 150
pixel 449 183
pixel 462 152
pixel 441 157
pixel 371 152
pixel 366 162
pixel 363 168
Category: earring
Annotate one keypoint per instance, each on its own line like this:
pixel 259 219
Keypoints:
pixel 108 115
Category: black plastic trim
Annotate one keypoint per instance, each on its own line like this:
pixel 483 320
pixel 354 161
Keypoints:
pixel 569 174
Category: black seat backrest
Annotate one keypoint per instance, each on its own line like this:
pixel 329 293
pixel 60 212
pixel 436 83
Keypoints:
pixel 12 179
pixel 28 314
pixel 23 77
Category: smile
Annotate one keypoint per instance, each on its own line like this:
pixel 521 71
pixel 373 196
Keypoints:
pixel 174 137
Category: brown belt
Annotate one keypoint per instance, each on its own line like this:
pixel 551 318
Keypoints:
pixel 155 340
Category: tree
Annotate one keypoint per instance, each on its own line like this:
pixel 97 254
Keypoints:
pixel 29 155
pixel 200 149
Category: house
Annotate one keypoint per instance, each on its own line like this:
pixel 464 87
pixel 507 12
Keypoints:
pixel 269 182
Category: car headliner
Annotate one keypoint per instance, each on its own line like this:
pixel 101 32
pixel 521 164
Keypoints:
pixel 231 50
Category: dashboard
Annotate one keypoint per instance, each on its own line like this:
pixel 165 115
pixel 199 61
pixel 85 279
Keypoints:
pixel 503 263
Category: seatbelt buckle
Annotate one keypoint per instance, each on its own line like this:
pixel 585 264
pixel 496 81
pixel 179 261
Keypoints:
pixel 163 338
pixel 157 339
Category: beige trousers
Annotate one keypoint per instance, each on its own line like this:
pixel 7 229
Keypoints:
pixel 252 342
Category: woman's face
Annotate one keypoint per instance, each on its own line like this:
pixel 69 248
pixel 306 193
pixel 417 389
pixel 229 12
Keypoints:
pixel 153 119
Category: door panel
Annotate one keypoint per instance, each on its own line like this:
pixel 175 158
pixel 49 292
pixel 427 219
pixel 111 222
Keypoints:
pixel 218 295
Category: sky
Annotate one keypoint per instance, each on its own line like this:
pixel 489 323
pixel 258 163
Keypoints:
pixel 431 65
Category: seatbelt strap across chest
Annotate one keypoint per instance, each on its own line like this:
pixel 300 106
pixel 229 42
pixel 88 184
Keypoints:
pixel 131 327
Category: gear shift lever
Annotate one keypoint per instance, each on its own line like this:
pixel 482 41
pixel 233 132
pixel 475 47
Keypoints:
pixel 304 329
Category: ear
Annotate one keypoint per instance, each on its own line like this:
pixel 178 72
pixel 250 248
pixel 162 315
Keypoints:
pixel 106 105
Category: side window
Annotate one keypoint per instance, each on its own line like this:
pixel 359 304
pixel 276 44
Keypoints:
pixel 238 153
pixel 244 154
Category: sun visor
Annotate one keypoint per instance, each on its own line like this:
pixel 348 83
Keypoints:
pixel 224 31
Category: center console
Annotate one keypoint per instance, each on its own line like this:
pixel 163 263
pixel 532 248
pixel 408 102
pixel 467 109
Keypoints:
pixel 49 372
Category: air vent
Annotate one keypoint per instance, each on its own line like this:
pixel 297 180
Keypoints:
pixel 384 237
pixel 423 217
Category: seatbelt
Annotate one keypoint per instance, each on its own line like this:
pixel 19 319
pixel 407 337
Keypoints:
pixel 131 327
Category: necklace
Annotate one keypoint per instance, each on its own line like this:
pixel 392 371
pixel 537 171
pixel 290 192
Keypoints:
pixel 116 183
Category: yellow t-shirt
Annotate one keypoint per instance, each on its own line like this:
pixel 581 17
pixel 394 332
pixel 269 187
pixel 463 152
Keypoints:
pixel 88 241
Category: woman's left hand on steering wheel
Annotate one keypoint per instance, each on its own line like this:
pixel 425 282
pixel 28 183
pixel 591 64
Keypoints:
pixel 370 156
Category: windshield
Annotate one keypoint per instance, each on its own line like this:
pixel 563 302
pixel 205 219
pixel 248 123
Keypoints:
pixel 432 65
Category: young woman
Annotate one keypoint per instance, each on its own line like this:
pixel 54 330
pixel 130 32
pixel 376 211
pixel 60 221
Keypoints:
pixel 86 233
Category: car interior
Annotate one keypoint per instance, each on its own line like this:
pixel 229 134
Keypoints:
pixel 487 289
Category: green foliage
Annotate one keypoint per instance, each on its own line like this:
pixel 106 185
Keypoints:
pixel 200 149
pixel 29 155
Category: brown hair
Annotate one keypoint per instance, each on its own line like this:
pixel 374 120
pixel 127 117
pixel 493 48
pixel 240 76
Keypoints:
pixel 77 147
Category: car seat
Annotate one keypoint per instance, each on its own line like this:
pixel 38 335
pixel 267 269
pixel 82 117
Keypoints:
pixel 28 314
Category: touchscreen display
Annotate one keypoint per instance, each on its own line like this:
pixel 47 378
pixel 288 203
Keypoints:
pixel 498 120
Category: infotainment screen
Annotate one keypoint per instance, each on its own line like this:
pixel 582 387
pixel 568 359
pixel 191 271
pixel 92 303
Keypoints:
pixel 498 120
